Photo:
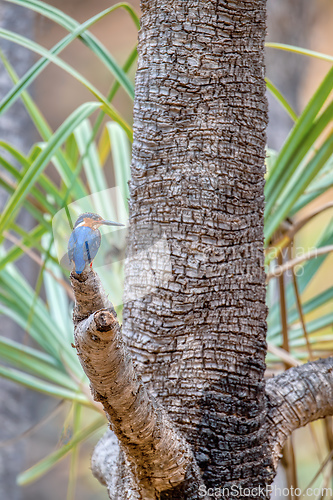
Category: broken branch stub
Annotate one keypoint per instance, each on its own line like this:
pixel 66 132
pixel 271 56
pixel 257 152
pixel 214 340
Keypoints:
pixel 159 456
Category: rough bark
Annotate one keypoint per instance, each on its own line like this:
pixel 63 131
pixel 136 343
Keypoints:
pixel 194 309
pixel 149 441
pixel 157 456
pixel 198 175
pixel 15 128
pixel 296 397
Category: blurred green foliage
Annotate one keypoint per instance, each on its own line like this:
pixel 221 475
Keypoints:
pixel 77 151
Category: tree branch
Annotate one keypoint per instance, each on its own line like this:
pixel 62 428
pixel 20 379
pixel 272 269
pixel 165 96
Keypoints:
pixel 296 397
pixel 290 264
pixel 157 453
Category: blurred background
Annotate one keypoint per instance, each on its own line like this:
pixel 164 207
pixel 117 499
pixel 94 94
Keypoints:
pixel 34 425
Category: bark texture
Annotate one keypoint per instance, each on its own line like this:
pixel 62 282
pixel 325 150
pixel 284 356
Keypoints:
pixel 156 455
pixel 15 128
pixel 154 460
pixel 194 307
pixel 198 176
pixel 296 397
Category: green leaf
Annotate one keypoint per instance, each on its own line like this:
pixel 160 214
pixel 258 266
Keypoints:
pixel 60 160
pixel 282 100
pixel 312 266
pixel 121 158
pixel 308 307
pixel 297 184
pixel 78 30
pixel 39 385
pixel 314 326
pixel 317 187
pixel 93 170
pixel 72 151
pixel 15 349
pixel 35 362
pixel 25 42
pixel 8 186
pixel 128 64
pixel 299 50
pixel 19 157
pixel 19 313
pixel 34 192
pixel 57 298
pixel 74 454
pixel 103 152
pixel 29 240
pixel 310 269
pixel 47 463
pixel 42 160
pixel 30 76
pixel 284 165
pixel 17 298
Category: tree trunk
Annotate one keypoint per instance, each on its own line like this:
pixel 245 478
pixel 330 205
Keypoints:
pixel 197 179
pixel 15 127
pixel 185 393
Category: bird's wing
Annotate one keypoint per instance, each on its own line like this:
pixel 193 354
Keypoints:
pixel 72 242
pixel 83 246
pixel 91 246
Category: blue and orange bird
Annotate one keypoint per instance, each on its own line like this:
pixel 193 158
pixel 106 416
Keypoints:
pixel 85 240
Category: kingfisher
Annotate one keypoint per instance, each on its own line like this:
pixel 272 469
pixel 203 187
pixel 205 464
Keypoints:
pixel 85 239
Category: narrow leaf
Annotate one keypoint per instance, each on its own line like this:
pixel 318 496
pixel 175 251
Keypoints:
pixel 297 185
pixel 34 362
pixel 95 45
pixel 25 42
pixel 282 100
pixel 47 463
pixel 299 50
pixel 36 384
pixel 42 160
pixel 281 167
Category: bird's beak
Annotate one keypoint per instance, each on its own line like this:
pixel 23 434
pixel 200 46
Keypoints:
pixel 110 223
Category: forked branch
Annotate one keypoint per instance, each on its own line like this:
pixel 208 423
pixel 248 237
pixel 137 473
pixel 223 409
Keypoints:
pixel 158 455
